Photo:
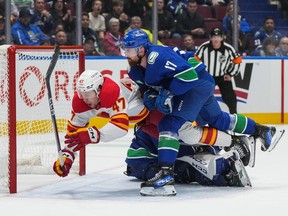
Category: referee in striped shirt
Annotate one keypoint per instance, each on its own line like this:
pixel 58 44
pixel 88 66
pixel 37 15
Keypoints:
pixel 223 62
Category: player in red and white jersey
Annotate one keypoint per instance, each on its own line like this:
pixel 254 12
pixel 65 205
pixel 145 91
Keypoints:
pixel 99 95
pixel 109 99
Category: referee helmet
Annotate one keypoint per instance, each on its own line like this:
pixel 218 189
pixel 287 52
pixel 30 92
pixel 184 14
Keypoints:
pixel 216 32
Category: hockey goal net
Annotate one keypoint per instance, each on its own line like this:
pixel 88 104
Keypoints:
pixel 27 139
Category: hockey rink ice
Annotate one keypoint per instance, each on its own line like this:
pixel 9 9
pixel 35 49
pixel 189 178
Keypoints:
pixel 105 190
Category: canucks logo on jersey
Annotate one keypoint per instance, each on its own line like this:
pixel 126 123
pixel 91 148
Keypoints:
pixel 152 57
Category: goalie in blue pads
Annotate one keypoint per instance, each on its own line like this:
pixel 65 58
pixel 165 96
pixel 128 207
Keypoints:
pixel 204 164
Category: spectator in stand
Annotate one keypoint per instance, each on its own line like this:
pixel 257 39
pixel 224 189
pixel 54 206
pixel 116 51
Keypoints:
pixel 135 7
pixel 191 22
pixel 61 38
pixel 136 23
pixel 19 4
pixel 90 49
pixel 177 7
pixel 25 33
pixel 118 13
pixel 57 27
pixel 189 43
pixel 150 4
pixel 227 21
pixel 113 38
pixel 2 30
pixel 268 30
pixel 268 48
pixel 60 14
pixel 245 41
pixel 14 10
pixel 166 21
pixel 97 21
pixel 87 5
pixel 89 33
pixel 282 49
pixel 42 17
pixel 107 7
pixel 16 5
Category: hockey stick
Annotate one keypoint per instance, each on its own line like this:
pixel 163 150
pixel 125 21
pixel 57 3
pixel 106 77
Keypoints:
pixel 50 100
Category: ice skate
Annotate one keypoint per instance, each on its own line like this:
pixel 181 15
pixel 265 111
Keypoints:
pixel 237 175
pixel 162 184
pixel 269 136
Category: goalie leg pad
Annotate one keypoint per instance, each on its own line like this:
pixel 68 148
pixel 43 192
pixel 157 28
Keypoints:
pixel 207 164
pixel 237 176
pixel 244 178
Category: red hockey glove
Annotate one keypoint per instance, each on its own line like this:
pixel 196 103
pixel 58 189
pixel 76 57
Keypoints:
pixel 68 158
pixel 80 138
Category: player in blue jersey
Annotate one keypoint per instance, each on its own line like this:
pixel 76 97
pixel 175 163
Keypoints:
pixel 178 85
pixel 204 164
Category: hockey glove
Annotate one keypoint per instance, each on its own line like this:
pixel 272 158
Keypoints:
pixel 164 102
pixel 68 158
pixel 149 99
pixel 80 138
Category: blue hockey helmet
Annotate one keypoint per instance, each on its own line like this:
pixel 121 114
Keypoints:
pixel 136 38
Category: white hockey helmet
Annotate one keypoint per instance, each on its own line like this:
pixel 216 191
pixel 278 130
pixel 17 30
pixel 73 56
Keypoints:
pixel 90 80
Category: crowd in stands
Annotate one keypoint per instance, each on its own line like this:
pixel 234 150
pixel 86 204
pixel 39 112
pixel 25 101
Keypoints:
pixel 184 23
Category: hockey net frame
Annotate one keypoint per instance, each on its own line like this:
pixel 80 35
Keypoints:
pixel 72 58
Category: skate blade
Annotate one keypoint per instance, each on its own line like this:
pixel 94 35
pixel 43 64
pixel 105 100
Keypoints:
pixel 167 190
pixel 252 148
pixel 245 180
pixel 275 139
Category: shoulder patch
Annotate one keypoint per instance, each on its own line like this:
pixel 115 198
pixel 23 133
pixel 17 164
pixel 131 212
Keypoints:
pixel 152 57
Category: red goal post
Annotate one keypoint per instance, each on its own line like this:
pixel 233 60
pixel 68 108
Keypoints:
pixel 27 140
